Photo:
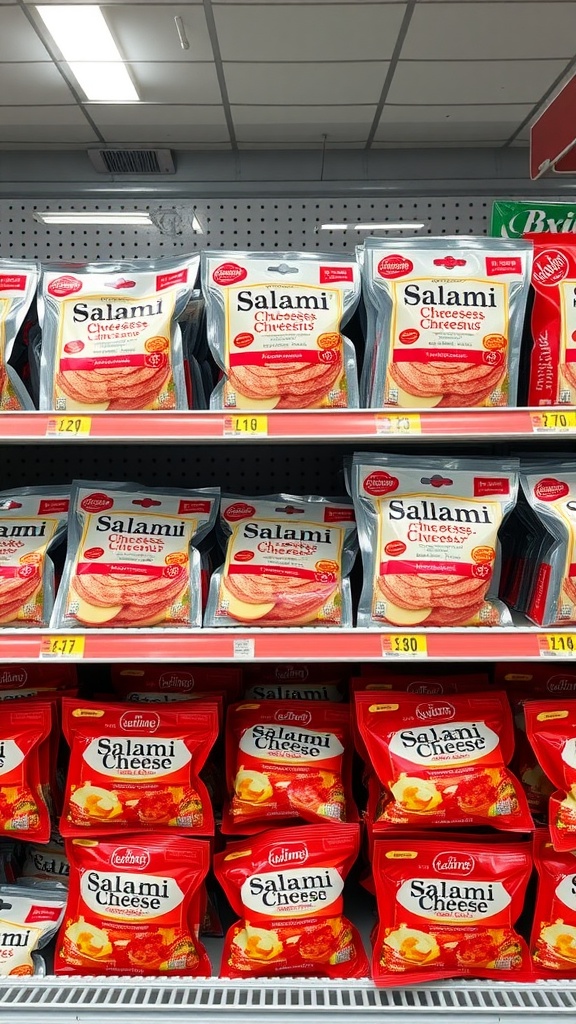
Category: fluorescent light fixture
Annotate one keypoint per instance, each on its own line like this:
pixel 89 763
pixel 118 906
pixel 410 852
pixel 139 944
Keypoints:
pixel 97 217
pixel 404 226
pixel 80 31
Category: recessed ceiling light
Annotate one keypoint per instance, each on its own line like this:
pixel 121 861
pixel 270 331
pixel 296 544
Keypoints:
pixel 404 226
pixel 96 217
pixel 80 32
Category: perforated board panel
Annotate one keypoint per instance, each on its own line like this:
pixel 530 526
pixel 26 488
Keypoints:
pixel 228 224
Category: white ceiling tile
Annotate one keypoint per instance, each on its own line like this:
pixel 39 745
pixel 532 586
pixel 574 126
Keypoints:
pixel 151 34
pixel 143 115
pixel 304 124
pixel 34 115
pixel 54 134
pixel 33 83
pixel 492 144
pixel 305 83
pixel 18 40
pixel 308 31
pixel 164 132
pixel 511 114
pixel 111 3
pixel 491 30
pixel 473 82
pixel 446 132
pixel 169 82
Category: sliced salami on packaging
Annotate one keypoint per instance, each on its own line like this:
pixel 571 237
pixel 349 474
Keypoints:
pixel 553 360
pixel 286 886
pixel 132 558
pixel 274 324
pixel 134 908
pixel 428 531
pixel 553 942
pixel 110 337
pixel 24 770
pixel 449 314
pixel 137 768
pixel 287 762
pixel 447 909
pixel 18 283
pixel 288 559
pixel 32 521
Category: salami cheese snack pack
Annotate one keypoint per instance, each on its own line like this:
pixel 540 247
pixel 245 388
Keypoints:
pixel 295 682
pixel 551 729
pixel 29 920
pixel 45 864
pixel 18 283
pixel 287 762
pixel 134 907
pixel 137 768
pixel 447 909
pixel 288 559
pixel 132 558
pixel 34 680
pixel 110 339
pixel 286 886
pixel 32 521
pixel 274 327
pixel 428 531
pixel 449 317
pixel 24 748
pixel 553 941
pixel 155 683
pixel 550 489
pixel 442 761
pixel 553 359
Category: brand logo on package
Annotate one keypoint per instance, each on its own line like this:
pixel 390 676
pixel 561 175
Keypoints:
pixel 239 511
pixel 13 677
pixel 550 267
pixel 299 717
pixel 394 266
pixel 176 680
pixel 130 857
pixel 229 273
pixel 96 502
pixel 561 684
pixel 288 853
pixel 380 483
pixel 139 721
pixel 453 863
pixel 550 489
pixel 65 285
pixel 435 710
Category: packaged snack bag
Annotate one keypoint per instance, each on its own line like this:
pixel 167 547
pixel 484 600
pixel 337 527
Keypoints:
pixel 287 762
pixel 175 682
pixel 32 521
pixel 442 761
pixel 46 864
pixel 449 316
pixel 553 941
pixel 24 731
pixel 447 909
pixel 34 680
pixel 428 531
pixel 18 283
pixel 553 359
pixel 132 559
pixel 29 920
pixel 551 729
pixel 295 682
pixel 110 336
pixel 137 768
pixel 287 886
pixel 550 489
pixel 134 907
pixel 288 559
pixel 274 327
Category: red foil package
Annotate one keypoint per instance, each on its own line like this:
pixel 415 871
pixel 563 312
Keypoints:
pixel 287 885
pixel 553 360
pixel 25 770
pixel 167 683
pixel 553 941
pixel 551 729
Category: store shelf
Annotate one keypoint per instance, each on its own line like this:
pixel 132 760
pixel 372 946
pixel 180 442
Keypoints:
pixel 225 645
pixel 286 426
pixel 47 1000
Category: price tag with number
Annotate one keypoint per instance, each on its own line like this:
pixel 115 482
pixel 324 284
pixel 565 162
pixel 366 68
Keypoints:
pixel 398 423
pixel 62 646
pixel 553 422
pixel 69 426
pixel 404 645
pixel 557 645
pixel 245 426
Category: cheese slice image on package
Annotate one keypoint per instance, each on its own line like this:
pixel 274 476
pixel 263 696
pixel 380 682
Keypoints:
pixel 32 521
pixel 131 558
pixel 110 339
pixel 551 729
pixel 18 283
pixel 550 489
pixel 288 558
pixel 449 317
pixel 553 941
pixel 428 531
pixel 274 323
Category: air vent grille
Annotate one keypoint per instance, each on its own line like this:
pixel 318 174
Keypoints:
pixel 132 161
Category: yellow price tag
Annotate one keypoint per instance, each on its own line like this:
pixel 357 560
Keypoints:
pixel 69 426
pixel 62 646
pixel 398 423
pixel 245 426
pixel 553 422
pixel 558 645
pixel 400 645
